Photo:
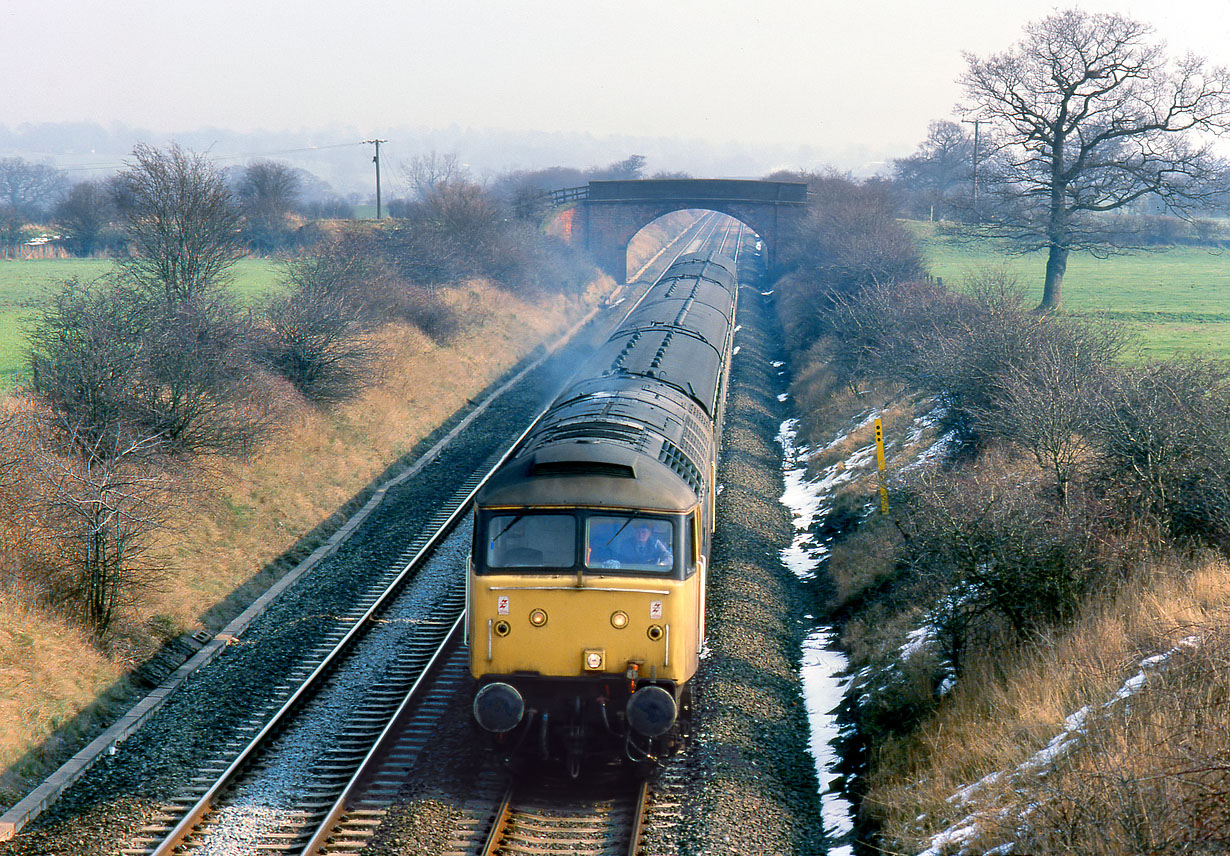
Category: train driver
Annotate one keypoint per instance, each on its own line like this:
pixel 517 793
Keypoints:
pixel 644 547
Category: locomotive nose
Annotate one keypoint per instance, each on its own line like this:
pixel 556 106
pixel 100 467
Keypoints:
pixel 651 711
pixel 498 707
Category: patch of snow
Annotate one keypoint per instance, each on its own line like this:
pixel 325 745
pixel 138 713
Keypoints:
pixel 821 664
pixel 823 690
pixel 1042 762
pixel 917 640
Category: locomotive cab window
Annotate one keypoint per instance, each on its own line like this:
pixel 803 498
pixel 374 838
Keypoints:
pixel 630 543
pixel 531 541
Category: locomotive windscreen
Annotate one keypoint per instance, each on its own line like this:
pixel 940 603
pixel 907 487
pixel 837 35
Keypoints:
pixel 630 543
pixel 531 541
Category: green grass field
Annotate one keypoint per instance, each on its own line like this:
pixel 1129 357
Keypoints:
pixel 25 281
pixel 1177 300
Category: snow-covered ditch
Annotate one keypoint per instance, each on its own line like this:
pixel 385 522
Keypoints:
pixel 822 666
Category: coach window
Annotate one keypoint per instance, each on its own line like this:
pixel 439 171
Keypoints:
pixel 531 541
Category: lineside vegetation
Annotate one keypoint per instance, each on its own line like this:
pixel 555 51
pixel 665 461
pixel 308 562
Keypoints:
pixel 138 377
pixel 1071 532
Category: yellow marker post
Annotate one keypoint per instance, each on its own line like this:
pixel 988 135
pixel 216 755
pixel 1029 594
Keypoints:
pixel 880 462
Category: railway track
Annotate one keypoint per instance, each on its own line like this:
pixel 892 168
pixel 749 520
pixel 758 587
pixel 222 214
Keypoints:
pixel 325 755
pixel 605 815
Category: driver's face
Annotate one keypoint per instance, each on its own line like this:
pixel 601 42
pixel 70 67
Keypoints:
pixel 642 533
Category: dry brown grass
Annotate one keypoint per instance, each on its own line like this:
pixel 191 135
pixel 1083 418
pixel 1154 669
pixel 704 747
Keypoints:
pixel 1009 704
pixel 49 672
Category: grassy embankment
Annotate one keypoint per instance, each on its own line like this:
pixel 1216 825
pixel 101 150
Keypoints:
pixel 1136 776
pixel 254 510
pixel 1176 299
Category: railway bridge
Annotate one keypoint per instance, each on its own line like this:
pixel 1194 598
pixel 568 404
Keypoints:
pixel 606 214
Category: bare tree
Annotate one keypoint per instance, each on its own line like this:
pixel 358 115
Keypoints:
pixel 1088 115
pixel 631 167
pixel 84 214
pixel 268 193
pixel 424 174
pixel 102 504
pixel 316 334
pixel 109 357
pixel 183 222
pixel 938 175
pixel 1044 402
pixel 30 189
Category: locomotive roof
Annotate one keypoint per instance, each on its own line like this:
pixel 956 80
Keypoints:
pixel 588 473
pixel 637 430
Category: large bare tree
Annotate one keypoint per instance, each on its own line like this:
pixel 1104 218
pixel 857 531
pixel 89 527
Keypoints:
pixel 1088 115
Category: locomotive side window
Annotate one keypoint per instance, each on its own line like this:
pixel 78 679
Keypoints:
pixel 630 543
pixel 531 541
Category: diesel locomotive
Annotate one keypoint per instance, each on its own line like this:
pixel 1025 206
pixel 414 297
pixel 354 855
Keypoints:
pixel 586 581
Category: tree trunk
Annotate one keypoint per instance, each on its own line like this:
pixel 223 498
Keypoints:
pixel 1056 264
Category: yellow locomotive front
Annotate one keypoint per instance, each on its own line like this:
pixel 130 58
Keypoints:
pixel 586 621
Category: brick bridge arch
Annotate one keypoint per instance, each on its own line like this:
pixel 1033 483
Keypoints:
pixel 610 213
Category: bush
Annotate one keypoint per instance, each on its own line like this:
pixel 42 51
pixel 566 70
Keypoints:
pixel 1162 432
pixel 999 553
pixel 317 335
pixel 111 359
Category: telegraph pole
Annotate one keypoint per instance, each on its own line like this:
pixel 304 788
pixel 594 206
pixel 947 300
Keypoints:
pixel 376 161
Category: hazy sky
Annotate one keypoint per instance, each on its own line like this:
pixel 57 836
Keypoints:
pixel 829 75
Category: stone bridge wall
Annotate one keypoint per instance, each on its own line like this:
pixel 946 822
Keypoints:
pixel 616 210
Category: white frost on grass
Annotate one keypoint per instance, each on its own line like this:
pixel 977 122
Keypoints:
pixel 1043 761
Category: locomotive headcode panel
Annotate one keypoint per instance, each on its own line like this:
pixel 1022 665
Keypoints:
pixel 588 568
